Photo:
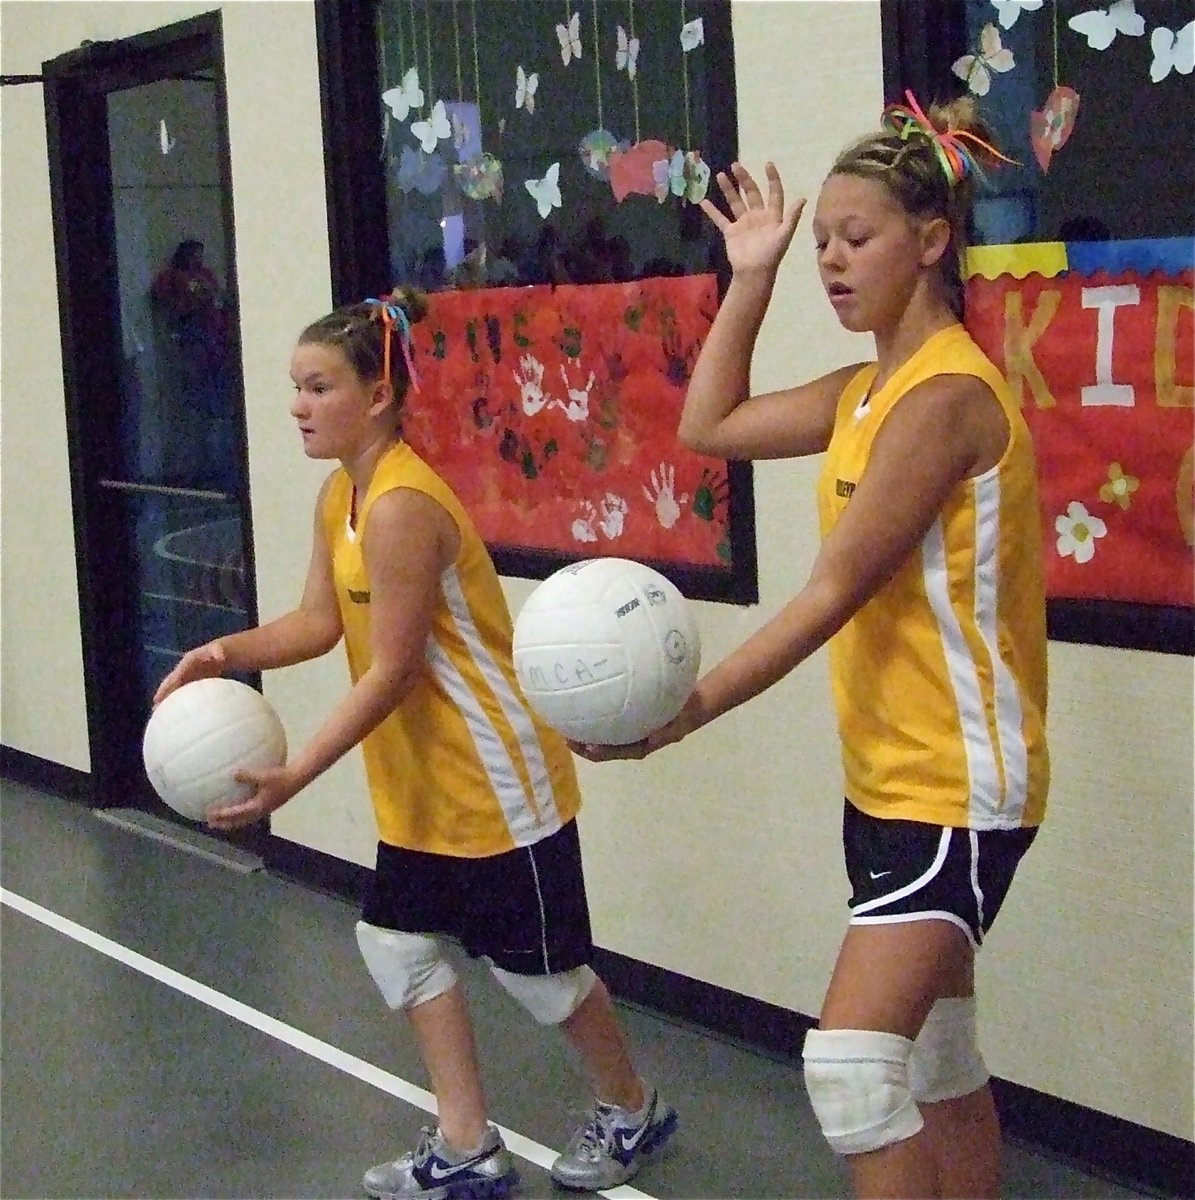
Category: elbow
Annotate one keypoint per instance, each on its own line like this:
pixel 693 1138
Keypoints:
pixel 697 440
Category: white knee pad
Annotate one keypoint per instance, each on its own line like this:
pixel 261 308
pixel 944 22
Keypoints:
pixel 548 998
pixel 858 1081
pixel 946 1062
pixel 409 968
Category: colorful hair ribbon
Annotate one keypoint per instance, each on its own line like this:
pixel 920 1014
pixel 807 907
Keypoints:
pixel 956 160
pixel 392 315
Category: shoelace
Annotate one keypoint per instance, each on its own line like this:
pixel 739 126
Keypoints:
pixel 597 1134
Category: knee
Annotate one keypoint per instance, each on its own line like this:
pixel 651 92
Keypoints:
pixel 858 1082
pixel 946 1062
pixel 409 968
pixel 550 999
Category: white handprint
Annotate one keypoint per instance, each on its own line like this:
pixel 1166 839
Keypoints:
pixel 614 512
pixel 664 498
pixel 583 525
pixel 577 408
pixel 530 377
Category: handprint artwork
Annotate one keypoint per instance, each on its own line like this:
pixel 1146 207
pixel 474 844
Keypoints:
pixel 568 443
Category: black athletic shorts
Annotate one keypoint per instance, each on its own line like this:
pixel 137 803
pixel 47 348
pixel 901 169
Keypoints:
pixel 909 871
pixel 525 909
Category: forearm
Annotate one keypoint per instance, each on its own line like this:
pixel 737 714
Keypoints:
pixel 372 698
pixel 292 638
pixel 805 624
pixel 722 376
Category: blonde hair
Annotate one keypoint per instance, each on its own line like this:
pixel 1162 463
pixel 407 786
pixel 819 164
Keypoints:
pixel 908 160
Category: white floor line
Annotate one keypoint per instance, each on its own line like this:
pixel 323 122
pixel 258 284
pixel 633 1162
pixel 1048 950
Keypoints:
pixel 524 1147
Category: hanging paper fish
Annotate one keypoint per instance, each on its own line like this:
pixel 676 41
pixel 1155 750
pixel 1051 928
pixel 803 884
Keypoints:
pixel 1050 127
pixel 626 56
pixel 596 149
pixel 631 170
pixel 408 95
pixel 434 130
pixel 546 191
pixel 975 70
pixel 1172 51
pixel 1101 25
pixel 525 89
pixel 1007 11
pixel 569 37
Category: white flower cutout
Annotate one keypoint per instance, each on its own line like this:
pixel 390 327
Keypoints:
pixel 626 56
pixel 692 35
pixel 1172 51
pixel 525 88
pixel 434 130
pixel 569 37
pixel 546 191
pixel 1007 11
pixel 975 70
pixel 1101 25
pixel 1077 531
pixel 408 95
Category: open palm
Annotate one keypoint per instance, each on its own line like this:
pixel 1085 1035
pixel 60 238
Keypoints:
pixel 758 231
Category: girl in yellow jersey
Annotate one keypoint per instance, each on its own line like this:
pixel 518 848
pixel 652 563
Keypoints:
pixel 928 588
pixel 475 798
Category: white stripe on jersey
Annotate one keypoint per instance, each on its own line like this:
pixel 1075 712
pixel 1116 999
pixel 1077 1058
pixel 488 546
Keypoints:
pixel 1009 726
pixel 983 780
pixel 504 778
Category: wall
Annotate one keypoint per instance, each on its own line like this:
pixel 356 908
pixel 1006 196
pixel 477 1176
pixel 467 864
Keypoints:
pixel 719 858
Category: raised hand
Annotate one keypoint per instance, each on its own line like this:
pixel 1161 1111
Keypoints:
pixel 758 231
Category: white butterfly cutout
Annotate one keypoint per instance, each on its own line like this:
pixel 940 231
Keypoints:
pixel 1172 51
pixel 692 35
pixel 1101 25
pixel 1007 11
pixel 975 70
pixel 525 87
pixel 626 57
pixel 546 191
pixel 434 130
pixel 408 95
pixel 164 139
pixel 569 37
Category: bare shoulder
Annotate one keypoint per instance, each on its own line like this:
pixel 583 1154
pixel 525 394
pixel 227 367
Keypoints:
pixel 959 414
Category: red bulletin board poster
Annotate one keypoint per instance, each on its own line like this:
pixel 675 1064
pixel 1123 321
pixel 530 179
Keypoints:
pixel 552 413
pixel 1096 340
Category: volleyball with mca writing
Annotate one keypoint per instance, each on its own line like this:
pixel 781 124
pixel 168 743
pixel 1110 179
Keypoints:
pixel 606 651
pixel 201 735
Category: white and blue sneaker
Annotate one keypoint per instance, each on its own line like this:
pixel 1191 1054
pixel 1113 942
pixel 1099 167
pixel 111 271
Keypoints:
pixel 613 1143
pixel 434 1171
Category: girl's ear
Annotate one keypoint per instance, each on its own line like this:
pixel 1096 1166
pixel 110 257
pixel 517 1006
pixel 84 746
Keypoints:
pixel 935 239
pixel 382 398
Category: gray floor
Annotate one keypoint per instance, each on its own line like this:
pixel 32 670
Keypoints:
pixel 118 1082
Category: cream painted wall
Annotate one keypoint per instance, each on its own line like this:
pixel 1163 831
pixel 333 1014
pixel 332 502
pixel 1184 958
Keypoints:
pixel 718 858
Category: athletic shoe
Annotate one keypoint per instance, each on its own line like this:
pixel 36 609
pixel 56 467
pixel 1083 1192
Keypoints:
pixel 613 1144
pixel 434 1171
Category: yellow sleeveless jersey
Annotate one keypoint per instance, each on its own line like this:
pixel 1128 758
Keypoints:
pixel 940 679
pixel 462 767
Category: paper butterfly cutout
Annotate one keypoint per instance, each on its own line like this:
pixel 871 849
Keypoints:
pixel 626 57
pixel 1050 127
pixel 975 70
pixel 434 130
pixel 164 139
pixel 418 172
pixel 525 86
pixel 1101 25
pixel 692 35
pixel 408 95
pixel 1172 51
pixel 1007 11
pixel 569 38
pixel 546 191
pixel 683 174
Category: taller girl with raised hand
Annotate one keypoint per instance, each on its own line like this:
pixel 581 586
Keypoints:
pixel 475 798
pixel 928 588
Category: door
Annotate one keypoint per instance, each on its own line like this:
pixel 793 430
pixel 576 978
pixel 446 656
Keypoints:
pixel 142 204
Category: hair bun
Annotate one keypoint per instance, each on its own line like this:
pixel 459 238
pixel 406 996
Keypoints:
pixel 411 301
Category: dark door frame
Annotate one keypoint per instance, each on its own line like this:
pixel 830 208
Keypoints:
pixel 76 88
